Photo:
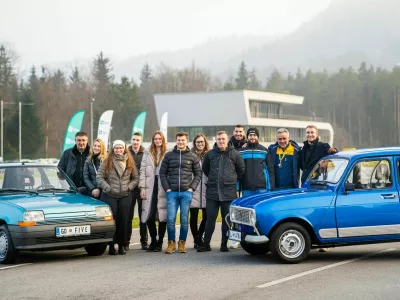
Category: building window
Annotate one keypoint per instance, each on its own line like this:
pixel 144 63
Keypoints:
pixel 261 109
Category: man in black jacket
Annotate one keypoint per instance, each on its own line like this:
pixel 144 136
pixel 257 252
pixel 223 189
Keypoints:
pixel 136 150
pixel 223 166
pixel 238 139
pixel 180 174
pixel 73 160
pixel 312 151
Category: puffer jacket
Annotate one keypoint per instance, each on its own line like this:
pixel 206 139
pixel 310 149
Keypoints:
pixel 199 195
pixel 90 172
pixel 117 186
pixel 223 170
pixel 147 177
pixel 180 170
pixel 260 172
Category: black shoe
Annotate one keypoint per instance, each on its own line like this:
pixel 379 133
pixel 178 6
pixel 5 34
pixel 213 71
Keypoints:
pixel 126 248
pixel 196 240
pixel 112 251
pixel 121 250
pixel 145 246
pixel 224 247
pixel 158 247
pixel 151 247
pixel 204 248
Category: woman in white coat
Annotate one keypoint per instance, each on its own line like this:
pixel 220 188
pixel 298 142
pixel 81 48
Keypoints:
pixel 154 206
pixel 200 148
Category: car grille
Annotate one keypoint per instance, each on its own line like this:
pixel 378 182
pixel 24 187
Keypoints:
pixel 241 216
pixel 85 219
pixel 48 240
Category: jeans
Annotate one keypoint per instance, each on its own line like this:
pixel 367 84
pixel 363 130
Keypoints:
pixel 249 192
pixel 212 209
pixel 175 200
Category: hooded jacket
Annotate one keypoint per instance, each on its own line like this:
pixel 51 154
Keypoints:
pixel 180 170
pixel 223 169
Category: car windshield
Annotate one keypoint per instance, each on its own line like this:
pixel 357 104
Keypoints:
pixel 328 170
pixel 25 178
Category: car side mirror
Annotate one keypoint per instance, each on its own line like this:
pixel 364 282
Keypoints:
pixel 82 190
pixel 349 187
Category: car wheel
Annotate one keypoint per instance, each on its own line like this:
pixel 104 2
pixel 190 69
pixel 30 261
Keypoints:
pixel 290 243
pixel 96 249
pixel 8 254
pixel 255 249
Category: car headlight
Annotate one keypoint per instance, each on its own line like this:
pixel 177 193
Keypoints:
pixel 33 216
pixel 232 214
pixel 103 211
pixel 253 218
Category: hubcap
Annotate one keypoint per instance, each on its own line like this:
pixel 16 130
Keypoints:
pixel 3 245
pixel 292 243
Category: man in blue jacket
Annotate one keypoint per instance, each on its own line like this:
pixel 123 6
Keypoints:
pixel 260 174
pixel 284 154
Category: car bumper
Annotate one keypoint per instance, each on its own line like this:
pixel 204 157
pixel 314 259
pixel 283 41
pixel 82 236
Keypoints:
pixel 43 237
pixel 256 239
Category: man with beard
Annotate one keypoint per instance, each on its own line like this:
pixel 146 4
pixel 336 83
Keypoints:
pixel 238 139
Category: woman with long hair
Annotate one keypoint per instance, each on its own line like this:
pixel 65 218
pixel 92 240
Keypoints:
pixel 154 205
pixel 200 148
pixel 117 177
pixel 97 154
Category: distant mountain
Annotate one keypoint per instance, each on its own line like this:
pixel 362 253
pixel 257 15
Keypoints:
pixel 346 33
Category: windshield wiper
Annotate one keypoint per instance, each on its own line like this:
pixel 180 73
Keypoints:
pixel 319 182
pixel 17 191
pixel 57 190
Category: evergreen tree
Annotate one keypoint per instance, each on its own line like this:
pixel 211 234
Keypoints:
pixel 254 83
pixel 242 79
pixel 146 75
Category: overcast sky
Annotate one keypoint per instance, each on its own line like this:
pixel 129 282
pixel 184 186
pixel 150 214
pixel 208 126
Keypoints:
pixel 45 31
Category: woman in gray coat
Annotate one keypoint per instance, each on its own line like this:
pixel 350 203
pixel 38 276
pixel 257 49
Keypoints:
pixel 117 178
pixel 154 204
pixel 200 148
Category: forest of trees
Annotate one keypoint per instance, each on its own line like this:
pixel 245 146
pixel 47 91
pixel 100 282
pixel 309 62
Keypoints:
pixel 360 102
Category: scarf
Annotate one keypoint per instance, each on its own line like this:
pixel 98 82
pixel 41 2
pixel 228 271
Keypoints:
pixel 120 163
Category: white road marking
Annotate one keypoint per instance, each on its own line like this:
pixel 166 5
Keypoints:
pixel 279 281
pixel 14 266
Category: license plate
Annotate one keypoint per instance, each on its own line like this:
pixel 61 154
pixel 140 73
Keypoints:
pixel 235 236
pixel 73 231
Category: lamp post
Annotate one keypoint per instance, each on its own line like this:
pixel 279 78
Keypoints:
pixel 91 119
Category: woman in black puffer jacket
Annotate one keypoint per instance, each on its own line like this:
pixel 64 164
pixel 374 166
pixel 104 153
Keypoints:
pixel 92 164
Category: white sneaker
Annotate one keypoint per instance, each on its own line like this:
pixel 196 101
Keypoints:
pixel 234 245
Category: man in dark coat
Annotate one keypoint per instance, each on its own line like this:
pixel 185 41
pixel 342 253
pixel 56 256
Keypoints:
pixel 136 150
pixel 312 151
pixel 223 166
pixel 73 160
pixel 238 139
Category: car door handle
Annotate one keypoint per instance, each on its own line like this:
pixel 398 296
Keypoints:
pixel 388 196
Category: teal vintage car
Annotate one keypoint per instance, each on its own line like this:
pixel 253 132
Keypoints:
pixel 41 209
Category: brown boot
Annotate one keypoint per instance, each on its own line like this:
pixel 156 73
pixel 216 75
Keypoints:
pixel 171 247
pixel 181 247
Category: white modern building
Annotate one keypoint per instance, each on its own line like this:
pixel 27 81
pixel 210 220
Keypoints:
pixel 210 112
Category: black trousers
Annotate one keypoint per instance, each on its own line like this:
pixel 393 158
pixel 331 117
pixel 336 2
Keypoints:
pixel 143 228
pixel 212 214
pixel 151 221
pixel 120 208
pixel 194 219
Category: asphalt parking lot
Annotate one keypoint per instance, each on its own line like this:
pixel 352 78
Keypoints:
pixel 361 272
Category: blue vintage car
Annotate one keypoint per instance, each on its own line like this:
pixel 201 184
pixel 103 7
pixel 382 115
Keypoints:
pixel 350 198
pixel 41 209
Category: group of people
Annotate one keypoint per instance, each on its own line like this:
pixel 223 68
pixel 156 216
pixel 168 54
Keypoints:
pixel 197 181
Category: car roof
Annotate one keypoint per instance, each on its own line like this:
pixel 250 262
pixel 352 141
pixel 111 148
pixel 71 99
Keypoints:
pixel 369 152
pixel 26 164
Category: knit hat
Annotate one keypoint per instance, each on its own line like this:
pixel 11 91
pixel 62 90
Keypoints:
pixel 118 142
pixel 254 131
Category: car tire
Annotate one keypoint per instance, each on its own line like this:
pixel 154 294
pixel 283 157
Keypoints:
pixel 255 249
pixel 96 249
pixel 8 254
pixel 290 243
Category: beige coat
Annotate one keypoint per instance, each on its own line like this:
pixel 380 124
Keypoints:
pixel 147 174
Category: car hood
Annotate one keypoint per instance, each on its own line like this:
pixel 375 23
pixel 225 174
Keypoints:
pixel 284 195
pixel 55 203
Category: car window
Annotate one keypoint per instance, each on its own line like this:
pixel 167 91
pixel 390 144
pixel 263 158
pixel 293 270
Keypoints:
pixel 371 174
pixel 329 170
